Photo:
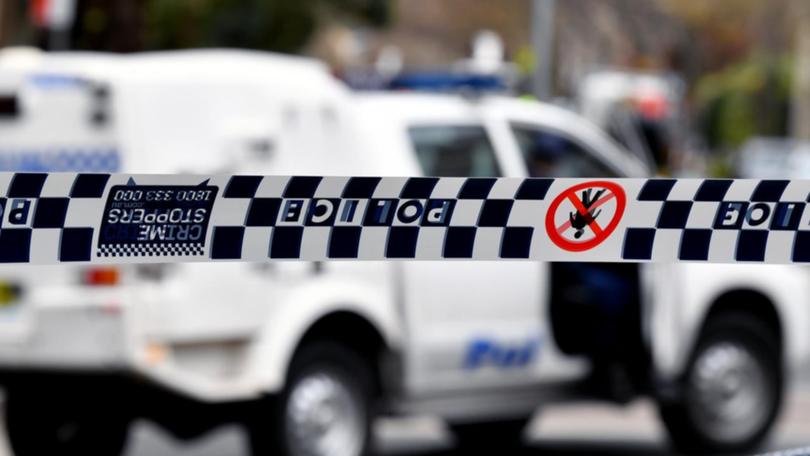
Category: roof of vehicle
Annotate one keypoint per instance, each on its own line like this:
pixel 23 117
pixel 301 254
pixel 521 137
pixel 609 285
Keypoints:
pixel 191 66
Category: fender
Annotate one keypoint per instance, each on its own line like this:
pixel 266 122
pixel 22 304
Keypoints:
pixel 310 301
pixel 676 320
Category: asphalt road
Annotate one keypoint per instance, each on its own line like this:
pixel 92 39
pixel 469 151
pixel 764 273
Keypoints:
pixel 592 429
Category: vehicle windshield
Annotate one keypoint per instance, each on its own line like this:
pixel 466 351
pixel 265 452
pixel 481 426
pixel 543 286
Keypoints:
pixel 550 154
pixel 454 151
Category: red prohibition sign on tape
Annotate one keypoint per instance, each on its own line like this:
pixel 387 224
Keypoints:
pixel 587 213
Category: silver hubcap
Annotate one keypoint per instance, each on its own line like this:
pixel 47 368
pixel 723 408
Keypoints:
pixel 729 392
pixel 324 418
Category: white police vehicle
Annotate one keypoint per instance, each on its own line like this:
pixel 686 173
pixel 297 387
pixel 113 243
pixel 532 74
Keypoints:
pixel 306 354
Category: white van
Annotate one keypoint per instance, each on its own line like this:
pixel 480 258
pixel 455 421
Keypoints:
pixel 306 354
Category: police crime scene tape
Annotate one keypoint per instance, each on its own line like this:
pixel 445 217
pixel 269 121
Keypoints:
pixel 52 218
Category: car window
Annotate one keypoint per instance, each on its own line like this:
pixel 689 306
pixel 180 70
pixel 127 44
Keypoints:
pixel 454 151
pixel 551 154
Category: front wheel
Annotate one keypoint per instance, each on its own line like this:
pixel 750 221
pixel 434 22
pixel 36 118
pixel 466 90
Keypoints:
pixel 732 390
pixel 325 409
pixel 68 423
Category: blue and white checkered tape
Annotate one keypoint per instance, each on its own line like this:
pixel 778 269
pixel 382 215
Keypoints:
pixel 120 218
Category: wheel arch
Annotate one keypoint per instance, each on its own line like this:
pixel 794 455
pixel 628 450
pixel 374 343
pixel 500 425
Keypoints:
pixel 751 302
pixel 354 331
pixel 779 294
pixel 327 313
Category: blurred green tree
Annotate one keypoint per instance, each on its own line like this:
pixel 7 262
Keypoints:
pixel 750 98
pixel 742 69
pixel 277 25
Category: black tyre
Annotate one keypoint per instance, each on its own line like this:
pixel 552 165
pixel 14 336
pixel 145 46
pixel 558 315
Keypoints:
pixel 493 435
pixel 732 390
pixel 72 424
pixel 324 410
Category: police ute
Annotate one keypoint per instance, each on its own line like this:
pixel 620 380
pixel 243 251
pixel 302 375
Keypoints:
pixel 305 355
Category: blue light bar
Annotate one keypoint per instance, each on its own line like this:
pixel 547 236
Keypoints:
pixel 446 82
